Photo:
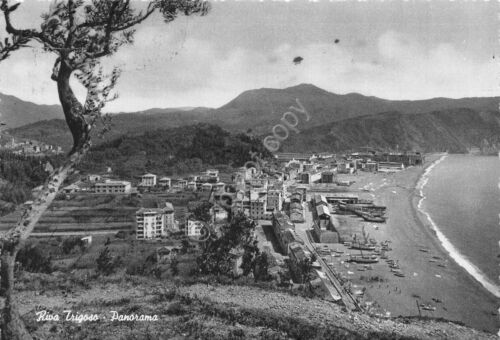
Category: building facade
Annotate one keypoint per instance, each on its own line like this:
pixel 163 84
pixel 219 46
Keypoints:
pixel 112 187
pixel 165 182
pixel 150 223
pixel 327 177
pixel 153 223
pixel 148 180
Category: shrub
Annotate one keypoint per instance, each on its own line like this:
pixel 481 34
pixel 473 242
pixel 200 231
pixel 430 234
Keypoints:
pixel 34 259
pixel 175 308
pixel 70 243
pixel 106 264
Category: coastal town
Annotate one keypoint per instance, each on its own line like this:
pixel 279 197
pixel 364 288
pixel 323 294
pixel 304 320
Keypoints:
pixel 308 209
pixel 272 170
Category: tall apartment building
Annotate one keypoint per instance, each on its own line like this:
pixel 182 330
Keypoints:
pixel 258 206
pixel 154 223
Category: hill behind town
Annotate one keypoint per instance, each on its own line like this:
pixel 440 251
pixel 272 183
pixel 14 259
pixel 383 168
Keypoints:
pixel 257 111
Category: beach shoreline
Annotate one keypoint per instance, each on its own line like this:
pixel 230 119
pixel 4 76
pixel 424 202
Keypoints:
pixel 432 277
pixel 427 221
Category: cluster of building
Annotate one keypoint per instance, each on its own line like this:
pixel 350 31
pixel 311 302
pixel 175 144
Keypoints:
pixel 258 194
pixel 325 223
pixel 311 168
pixel 205 181
pixel 99 184
pixel 31 148
pixel 291 244
pixel 102 184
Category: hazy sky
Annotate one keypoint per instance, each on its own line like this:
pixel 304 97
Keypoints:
pixel 389 49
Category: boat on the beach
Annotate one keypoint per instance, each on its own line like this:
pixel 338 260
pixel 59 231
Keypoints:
pixel 424 250
pixel 361 246
pixel 363 258
pixel 372 218
pixel 428 307
pixel 400 274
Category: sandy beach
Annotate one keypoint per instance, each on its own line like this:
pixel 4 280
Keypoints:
pixel 432 277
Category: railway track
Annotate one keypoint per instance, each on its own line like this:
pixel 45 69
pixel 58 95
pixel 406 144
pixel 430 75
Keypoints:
pixel 348 300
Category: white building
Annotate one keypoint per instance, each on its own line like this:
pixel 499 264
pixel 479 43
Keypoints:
pixel 112 187
pixel 191 186
pixel 148 180
pixel 206 187
pixel 93 178
pixel 194 228
pixel 219 214
pixel 155 222
pixel 165 182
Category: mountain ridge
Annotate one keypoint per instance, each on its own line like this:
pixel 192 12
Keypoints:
pixel 258 111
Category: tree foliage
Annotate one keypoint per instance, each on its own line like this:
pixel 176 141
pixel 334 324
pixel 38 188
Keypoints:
pixel 106 263
pixel 201 211
pixel 21 174
pixel 34 259
pixel 70 243
pixel 218 254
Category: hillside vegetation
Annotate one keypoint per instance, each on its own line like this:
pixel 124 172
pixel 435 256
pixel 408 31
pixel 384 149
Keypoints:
pixel 173 151
pixel 454 130
pixel 18 176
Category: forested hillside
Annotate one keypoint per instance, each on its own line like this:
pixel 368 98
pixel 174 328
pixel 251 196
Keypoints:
pixel 173 151
pixel 19 175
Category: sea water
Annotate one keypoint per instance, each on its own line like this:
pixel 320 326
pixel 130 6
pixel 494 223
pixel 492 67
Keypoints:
pixel 461 199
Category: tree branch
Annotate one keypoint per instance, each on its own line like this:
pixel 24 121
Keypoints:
pixel 25 34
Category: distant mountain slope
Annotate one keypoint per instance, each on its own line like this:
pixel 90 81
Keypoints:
pixel 53 132
pixel 454 130
pixel 16 112
pixel 56 132
pixel 260 110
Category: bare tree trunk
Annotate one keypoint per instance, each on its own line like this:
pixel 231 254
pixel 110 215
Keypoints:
pixel 11 242
pixel 73 110
pixel 12 325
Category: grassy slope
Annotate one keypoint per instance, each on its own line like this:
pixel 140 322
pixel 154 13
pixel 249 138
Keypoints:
pixel 204 311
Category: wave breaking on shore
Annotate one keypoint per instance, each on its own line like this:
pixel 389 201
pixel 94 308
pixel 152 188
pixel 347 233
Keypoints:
pixel 454 253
